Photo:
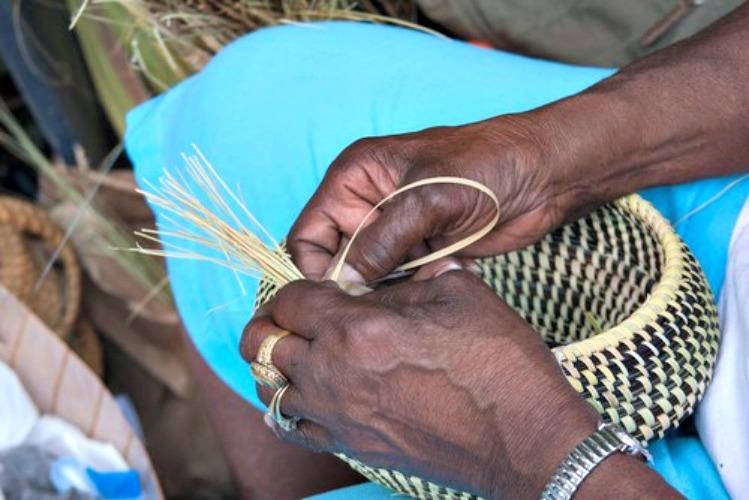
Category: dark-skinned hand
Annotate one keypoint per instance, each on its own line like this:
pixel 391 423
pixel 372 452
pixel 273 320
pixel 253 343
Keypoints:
pixel 675 116
pixel 501 156
pixel 437 378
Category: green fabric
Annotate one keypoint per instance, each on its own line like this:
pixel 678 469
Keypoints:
pixel 590 32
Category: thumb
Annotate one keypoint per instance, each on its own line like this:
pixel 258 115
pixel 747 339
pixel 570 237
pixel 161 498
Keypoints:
pixel 404 223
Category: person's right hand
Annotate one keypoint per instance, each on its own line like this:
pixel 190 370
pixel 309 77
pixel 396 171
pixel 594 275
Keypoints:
pixel 502 153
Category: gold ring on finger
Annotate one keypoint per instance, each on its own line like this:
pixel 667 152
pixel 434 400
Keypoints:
pixel 265 352
pixel 268 376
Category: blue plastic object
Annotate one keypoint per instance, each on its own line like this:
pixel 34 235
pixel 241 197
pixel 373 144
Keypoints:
pixel 116 485
pixel 67 473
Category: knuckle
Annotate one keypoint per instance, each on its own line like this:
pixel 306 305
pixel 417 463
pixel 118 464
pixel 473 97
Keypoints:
pixel 375 258
pixel 365 146
pixel 295 239
pixel 438 201
pixel 371 326
pixel 247 344
pixel 432 204
pixel 294 295
pixel 360 150
pixel 368 337
pixel 417 200
pixel 291 291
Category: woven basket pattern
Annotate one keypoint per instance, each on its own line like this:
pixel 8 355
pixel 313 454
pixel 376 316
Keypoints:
pixel 16 265
pixel 627 311
pixel 19 271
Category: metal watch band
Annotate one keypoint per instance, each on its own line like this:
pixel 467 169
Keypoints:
pixel 607 440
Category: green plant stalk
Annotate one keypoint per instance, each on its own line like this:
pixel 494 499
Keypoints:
pixel 117 93
pixel 145 270
pixel 115 46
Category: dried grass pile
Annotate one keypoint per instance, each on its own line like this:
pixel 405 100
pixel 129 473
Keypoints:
pixel 188 32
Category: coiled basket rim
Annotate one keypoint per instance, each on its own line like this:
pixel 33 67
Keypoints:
pixel 663 292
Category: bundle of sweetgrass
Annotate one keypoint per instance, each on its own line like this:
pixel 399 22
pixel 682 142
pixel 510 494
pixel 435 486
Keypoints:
pixel 199 208
pixel 218 221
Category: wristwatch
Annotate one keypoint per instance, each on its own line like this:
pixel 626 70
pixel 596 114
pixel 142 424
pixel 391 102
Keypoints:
pixel 607 440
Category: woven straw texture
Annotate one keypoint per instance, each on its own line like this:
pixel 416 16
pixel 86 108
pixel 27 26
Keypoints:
pixel 625 307
pixel 57 305
pixel 29 237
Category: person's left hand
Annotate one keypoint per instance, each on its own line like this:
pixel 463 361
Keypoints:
pixel 437 378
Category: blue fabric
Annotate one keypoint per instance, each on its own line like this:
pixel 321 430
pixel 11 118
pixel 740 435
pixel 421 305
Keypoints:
pixel 366 491
pixel 708 231
pixel 273 109
pixel 683 462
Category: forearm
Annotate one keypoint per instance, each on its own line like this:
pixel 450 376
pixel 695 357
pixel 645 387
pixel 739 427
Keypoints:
pixel 678 115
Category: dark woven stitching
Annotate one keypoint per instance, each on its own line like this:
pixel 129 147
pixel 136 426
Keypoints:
pixel 626 259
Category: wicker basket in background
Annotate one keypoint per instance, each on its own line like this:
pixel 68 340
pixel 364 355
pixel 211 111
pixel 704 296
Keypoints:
pixel 30 239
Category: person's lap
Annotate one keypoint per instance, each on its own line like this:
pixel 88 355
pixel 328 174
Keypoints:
pixel 272 110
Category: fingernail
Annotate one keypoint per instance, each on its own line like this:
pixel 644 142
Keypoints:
pixel 350 275
pixel 449 266
pixel 355 289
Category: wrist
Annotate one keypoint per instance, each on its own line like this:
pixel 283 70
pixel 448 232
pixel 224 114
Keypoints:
pixel 559 433
pixel 527 161
pixel 545 436
pixel 637 129
pixel 565 158
pixel 596 150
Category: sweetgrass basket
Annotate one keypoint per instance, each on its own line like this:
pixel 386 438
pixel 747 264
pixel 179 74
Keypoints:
pixel 627 311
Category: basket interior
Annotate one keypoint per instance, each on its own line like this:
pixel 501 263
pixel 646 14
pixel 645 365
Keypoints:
pixel 584 278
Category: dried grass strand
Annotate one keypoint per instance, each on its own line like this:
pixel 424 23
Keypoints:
pixel 218 224
pixel 224 224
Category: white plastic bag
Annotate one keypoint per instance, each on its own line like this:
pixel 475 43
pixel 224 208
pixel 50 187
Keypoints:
pixel 59 437
pixel 18 414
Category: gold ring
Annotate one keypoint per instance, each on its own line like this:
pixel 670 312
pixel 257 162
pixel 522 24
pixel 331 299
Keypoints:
pixel 265 353
pixel 274 410
pixel 268 376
